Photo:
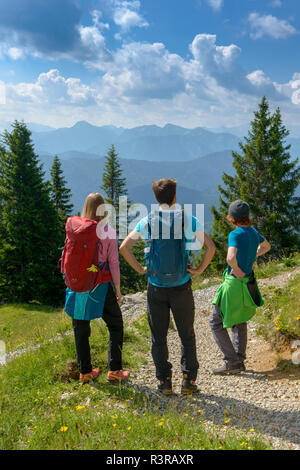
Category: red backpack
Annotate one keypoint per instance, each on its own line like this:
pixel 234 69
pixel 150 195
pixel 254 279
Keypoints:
pixel 79 262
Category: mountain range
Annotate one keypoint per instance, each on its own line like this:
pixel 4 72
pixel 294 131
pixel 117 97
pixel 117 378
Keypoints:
pixel 151 143
pixel 197 179
pixel 196 157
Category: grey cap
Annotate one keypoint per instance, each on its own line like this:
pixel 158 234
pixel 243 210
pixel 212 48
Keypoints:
pixel 239 210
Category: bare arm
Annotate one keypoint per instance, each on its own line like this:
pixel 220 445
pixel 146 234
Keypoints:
pixel 232 261
pixel 209 252
pixel 263 248
pixel 126 252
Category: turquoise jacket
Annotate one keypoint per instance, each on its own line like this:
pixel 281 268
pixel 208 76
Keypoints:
pixel 235 301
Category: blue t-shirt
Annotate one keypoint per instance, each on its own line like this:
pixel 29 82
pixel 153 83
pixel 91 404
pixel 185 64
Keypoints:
pixel 192 226
pixel 246 240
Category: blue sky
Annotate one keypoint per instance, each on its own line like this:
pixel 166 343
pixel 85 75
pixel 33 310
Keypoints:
pixel 133 62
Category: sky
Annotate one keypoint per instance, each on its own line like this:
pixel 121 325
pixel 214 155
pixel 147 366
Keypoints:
pixel 127 63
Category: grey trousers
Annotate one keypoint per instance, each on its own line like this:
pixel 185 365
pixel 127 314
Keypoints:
pixel 234 351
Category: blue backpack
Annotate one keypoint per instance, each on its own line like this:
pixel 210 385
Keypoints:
pixel 166 258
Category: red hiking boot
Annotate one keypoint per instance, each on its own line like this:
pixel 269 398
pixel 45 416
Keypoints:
pixel 117 376
pixel 85 378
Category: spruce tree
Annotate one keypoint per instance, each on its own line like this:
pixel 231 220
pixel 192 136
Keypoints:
pixel 115 186
pixel 266 178
pixel 29 226
pixel 60 194
pixel 113 182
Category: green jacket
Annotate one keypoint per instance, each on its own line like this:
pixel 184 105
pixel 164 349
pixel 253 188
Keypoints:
pixel 235 301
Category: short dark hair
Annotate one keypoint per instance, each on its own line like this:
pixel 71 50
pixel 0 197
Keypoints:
pixel 245 221
pixel 165 190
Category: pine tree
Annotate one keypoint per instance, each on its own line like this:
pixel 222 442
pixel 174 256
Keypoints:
pixel 113 183
pixel 115 186
pixel 60 194
pixel 266 178
pixel 29 226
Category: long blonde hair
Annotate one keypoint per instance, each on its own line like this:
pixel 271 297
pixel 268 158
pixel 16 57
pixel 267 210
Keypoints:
pixel 91 205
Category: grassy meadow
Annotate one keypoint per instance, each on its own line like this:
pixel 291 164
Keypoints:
pixel 42 407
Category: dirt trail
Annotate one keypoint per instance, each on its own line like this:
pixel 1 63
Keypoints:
pixel 264 398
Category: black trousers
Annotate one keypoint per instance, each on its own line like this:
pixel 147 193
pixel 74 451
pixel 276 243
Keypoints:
pixel 112 316
pixel 181 302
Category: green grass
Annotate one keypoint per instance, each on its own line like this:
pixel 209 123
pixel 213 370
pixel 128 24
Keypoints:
pixel 280 316
pixel 273 267
pixel 262 270
pixel 25 324
pixel 40 410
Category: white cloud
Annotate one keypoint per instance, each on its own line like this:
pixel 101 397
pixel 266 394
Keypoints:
pixel 144 83
pixel 51 88
pixel 125 14
pixel 276 3
pixel 215 4
pixel 81 44
pixel 259 78
pixel 15 53
pixel 291 89
pixel 127 19
pixel 144 71
pixel 211 56
pixel 269 25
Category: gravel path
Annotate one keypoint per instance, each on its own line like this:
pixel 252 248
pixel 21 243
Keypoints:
pixel 253 400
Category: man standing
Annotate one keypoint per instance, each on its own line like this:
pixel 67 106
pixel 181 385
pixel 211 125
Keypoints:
pixel 169 285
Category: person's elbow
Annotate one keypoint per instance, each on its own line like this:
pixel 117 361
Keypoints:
pixel 123 249
pixel 209 245
pixel 231 259
pixel 212 249
pixel 267 246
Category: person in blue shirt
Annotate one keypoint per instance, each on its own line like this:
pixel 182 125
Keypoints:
pixel 173 293
pixel 245 244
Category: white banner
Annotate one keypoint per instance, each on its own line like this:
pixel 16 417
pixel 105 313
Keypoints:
pixel 2 353
pixel 2 93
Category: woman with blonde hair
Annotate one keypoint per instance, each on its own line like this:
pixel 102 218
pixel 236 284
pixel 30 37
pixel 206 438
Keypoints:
pixel 90 264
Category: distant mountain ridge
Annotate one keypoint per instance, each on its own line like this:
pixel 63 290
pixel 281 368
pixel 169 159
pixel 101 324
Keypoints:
pixel 197 179
pixel 152 143
pixel 149 142
pixel 196 157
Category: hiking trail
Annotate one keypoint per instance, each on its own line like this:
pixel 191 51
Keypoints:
pixel 262 399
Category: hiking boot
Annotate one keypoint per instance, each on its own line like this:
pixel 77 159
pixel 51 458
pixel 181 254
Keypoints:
pixel 165 386
pixel 188 386
pixel 230 369
pixel 85 378
pixel 117 376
